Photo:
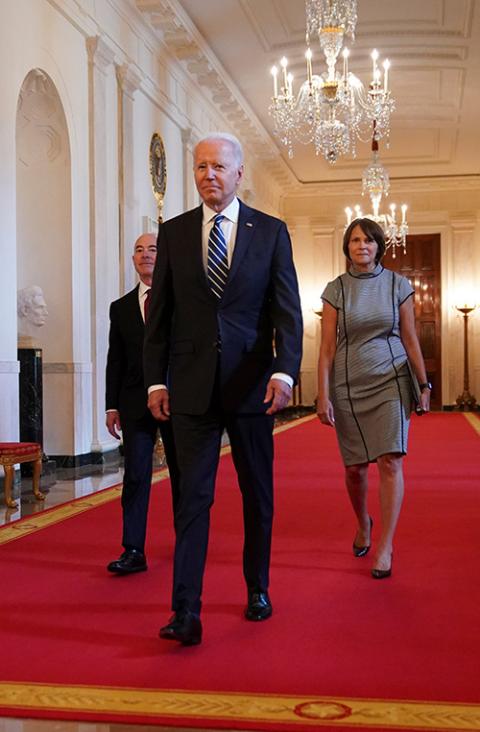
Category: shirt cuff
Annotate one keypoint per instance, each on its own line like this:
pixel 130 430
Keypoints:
pixel 155 387
pixel 110 410
pixel 283 377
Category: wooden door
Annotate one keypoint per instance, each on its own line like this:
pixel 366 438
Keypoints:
pixel 421 266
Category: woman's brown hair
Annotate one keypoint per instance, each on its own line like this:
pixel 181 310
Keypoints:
pixel 371 229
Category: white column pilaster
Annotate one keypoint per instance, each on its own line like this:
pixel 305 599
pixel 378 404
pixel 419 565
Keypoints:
pixel 190 195
pixel 104 244
pixel 9 366
pixel 129 81
pixel 315 256
pixel 463 288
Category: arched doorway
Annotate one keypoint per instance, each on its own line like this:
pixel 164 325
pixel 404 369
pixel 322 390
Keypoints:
pixel 43 187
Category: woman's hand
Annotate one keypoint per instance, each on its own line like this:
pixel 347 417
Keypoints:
pixel 325 412
pixel 326 357
pixel 425 400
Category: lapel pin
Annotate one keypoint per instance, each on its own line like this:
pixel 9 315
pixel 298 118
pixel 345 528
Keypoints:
pixel 248 223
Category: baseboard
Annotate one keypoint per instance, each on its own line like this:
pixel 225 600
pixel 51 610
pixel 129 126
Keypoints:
pixel 78 461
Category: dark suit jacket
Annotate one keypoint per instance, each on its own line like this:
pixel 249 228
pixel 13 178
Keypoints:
pixel 125 390
pixel 186 322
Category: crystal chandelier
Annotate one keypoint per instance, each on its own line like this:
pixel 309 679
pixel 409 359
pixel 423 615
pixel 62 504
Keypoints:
pixel 333 109
pixel 376 182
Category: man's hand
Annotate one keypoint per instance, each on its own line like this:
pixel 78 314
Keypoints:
pixel 279 393
pixel 112 421
pixel 159 404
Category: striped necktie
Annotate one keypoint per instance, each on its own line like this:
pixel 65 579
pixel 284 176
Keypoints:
pixel 217 260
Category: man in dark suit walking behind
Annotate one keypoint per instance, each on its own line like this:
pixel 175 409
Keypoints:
pixel 126 405
pixel 224 289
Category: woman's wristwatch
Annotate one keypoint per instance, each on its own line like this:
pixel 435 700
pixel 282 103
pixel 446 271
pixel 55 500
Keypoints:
pixel 426 385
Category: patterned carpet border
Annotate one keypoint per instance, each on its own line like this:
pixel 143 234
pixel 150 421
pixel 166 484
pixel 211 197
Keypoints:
pixel 242 708
pixel 64 511
pixel 55 514
pixel 473 420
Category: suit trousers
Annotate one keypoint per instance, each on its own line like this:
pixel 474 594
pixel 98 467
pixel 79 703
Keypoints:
pixel 139 438
pixel 197 442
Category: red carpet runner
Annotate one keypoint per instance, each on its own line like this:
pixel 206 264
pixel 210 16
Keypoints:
pixel 77 643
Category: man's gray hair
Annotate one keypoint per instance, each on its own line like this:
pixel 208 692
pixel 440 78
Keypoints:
pixel 225 137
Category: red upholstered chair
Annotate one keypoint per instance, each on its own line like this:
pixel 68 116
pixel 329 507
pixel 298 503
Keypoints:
pixel 12 453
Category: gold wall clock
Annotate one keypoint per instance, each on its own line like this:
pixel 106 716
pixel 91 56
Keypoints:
pixel 158 171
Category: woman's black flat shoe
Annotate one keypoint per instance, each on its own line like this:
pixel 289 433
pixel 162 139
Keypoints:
pixel 382 573
pixel 360 551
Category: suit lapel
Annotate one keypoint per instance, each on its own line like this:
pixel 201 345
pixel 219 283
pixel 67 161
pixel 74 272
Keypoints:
pixel 193 235
pixel 245 230
pixel 134 307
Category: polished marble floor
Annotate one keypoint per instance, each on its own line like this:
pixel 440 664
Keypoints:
pixel 66 487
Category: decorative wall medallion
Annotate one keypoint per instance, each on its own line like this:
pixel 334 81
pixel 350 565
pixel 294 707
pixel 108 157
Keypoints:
pixel 158 170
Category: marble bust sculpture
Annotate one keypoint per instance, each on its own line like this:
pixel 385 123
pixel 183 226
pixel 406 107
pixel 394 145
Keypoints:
pixel 32 314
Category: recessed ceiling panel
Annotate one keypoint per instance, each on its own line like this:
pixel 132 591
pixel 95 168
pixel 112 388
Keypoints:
pixel 434 47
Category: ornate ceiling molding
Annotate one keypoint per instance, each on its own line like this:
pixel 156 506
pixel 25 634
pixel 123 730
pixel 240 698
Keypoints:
pixel 412 185
pixel 183 40
pixel 129 79
pixel 100 52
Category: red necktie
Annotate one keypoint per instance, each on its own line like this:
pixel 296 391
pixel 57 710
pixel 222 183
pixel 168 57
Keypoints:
pixel 146 304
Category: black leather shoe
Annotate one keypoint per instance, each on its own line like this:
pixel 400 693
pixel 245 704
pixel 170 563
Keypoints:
pixel 360 551
pixel 259 606
pixel 132 560
pixel 184 627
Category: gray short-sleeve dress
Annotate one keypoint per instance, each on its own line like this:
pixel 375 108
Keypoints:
pixel 370 386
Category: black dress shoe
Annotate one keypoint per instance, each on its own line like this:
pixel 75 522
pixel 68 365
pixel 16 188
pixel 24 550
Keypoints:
pixel 184 627
pixel 382 573
pixel 360 551
pixel 259 606
pixel 132 560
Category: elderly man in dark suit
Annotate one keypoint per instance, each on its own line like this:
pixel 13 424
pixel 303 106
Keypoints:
pixel 225 324
pixel 126 405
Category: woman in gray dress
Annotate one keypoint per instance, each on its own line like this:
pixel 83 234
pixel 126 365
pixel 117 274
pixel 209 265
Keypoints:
pixel 364 383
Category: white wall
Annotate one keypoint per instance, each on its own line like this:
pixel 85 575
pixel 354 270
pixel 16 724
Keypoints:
pixel 117 85
pixel 32 35
pixel 147 120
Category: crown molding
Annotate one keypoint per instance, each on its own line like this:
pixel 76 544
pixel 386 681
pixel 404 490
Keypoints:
pixel 397 186
pixel 182 39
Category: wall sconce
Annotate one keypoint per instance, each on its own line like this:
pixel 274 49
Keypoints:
pixel 466 400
